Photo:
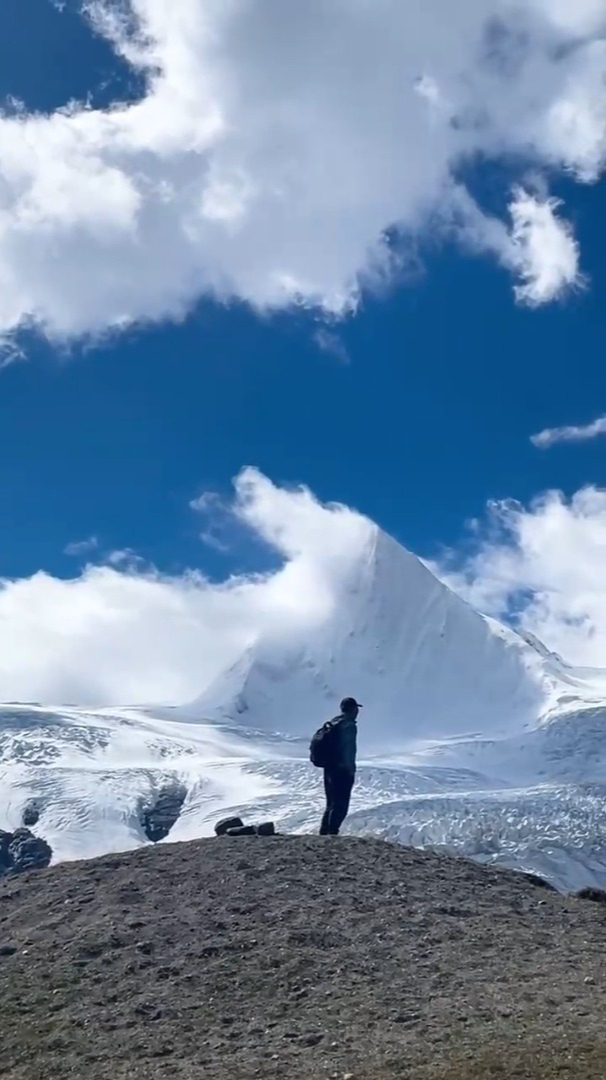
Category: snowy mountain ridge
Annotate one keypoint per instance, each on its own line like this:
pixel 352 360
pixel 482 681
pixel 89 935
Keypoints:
pixel 418 657
pixel 473 738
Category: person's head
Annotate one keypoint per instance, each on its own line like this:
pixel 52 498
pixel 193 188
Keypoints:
pixel 350 707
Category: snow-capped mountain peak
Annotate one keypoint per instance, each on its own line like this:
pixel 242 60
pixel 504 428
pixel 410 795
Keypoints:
pixel 421 660
pixel 473 738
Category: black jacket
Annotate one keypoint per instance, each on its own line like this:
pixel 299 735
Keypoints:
pixel 346 743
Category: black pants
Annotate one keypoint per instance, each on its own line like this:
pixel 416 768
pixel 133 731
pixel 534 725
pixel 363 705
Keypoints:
pixel 338 786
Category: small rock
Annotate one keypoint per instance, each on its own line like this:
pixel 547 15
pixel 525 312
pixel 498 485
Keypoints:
pixel 266 828
pixel 312 1039
pixel 28 852
pixel 228 823
pixel 31 814
pixel 589 979
pixel 158 818
pixel 5 859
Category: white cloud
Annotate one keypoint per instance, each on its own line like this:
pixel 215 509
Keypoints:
pixel 544 566
pixel 218 517
pixel 539 248
pixel 276 144
pixel 81 547
pixel 545 253
pixel 571 433
pixel 123 632
pixel 329 342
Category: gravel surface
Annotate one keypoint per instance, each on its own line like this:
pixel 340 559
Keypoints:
pixel 297 959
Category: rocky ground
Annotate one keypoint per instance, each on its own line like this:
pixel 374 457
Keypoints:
pixel 297 959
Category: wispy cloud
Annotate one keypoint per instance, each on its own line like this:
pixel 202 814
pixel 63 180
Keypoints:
pixel 82 547
pixel 329 342
pixel 571 434
pixel 219 519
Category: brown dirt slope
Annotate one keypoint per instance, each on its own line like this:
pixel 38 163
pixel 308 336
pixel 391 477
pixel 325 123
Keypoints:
pixel 297 959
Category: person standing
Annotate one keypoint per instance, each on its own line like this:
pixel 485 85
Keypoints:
pixel 337 742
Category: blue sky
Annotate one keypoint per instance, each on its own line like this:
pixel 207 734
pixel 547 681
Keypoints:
pixel 429 420
pixel 420 416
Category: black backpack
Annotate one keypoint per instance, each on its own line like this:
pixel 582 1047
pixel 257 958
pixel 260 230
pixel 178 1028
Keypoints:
pixel 323 746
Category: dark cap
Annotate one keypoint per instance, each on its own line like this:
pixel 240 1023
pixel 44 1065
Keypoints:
pixel 349 704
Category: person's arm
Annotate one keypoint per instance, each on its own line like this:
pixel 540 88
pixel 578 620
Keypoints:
pixel 348 740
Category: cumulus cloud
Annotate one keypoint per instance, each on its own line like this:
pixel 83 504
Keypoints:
pixel 123 632
pixel 541 566
pixel 572 433
pixel 280 147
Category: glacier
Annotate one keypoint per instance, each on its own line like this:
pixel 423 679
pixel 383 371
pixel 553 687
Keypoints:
pixel 474 738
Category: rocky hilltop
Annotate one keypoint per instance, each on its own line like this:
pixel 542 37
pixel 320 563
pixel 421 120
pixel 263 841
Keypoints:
pixel 297 959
